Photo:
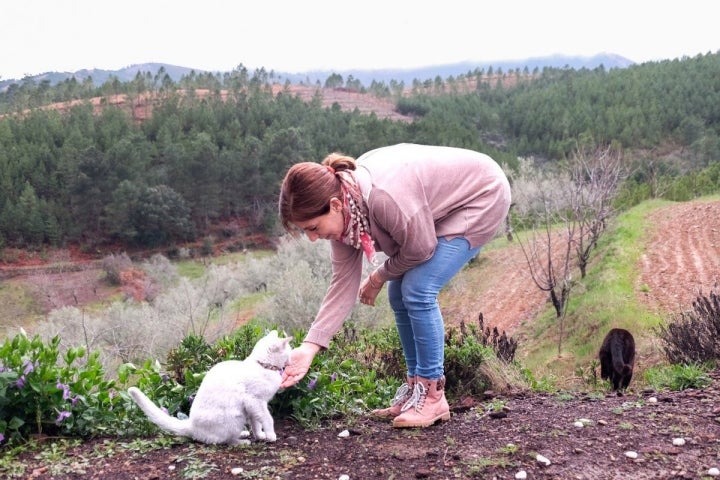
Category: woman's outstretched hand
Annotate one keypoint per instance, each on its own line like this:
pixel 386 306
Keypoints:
pixel 300 360
pixel 369 290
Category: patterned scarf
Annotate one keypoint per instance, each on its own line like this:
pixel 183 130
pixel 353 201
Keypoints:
pixel 357 227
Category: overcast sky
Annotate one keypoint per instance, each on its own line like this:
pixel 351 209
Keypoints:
pixel 38 36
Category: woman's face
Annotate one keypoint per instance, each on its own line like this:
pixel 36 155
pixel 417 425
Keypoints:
pixel 329 226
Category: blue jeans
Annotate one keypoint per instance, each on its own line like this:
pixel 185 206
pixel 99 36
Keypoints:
pixel 413 299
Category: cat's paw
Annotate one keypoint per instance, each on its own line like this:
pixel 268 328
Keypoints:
pixel 270 437
pixel 244 434
pixel 260 435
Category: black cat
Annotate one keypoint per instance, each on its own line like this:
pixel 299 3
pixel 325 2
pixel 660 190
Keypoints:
pixel 617 358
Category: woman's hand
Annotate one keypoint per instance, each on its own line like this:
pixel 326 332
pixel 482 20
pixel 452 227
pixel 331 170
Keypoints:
pixel 369 290
pixel 300 360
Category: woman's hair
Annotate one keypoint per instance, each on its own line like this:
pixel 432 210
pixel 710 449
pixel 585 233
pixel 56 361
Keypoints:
pixel 308 187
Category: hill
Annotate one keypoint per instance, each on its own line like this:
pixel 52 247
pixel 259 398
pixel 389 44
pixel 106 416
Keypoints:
pixel 366 77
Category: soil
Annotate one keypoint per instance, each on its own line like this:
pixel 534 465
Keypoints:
pixel 497 436
pixel 478 442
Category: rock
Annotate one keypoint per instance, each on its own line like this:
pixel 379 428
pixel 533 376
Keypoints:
pixel 423 473
pixel 344 433
pixel 542 460
pixel 344 477
pixel 678 442
pixel 631 454
pixel 498 414
pixel 714 472
pixel 236 471
pixel 521 475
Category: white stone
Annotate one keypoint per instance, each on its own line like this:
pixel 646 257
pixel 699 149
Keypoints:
pixel 585 421
pixel 236 471
pixel 714 472
pixel 678 442
pixel 579 424
pixel 344 477
pixel 631 454
pixel 542 460
pixel 521 475
pixel 652 400
pixel 344 433
pixel 171 467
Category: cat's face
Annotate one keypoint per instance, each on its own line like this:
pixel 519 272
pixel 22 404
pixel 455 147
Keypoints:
pixel 273 350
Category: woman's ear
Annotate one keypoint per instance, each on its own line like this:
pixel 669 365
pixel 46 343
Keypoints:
pixel 335 204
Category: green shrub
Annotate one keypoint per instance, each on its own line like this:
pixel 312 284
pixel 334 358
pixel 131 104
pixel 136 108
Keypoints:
pixel 41 395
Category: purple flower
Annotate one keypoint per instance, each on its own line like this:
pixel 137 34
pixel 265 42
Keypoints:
pixel 2 437
pixel 65 389
pixel 75 399
pixel 20 383
pixel 164 378
pixel 333 377
pixel 311 383
pixel 29 367
pixel 62 416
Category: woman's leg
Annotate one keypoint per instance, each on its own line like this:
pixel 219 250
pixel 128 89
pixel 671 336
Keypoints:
pixel 419 290
pixel 404 326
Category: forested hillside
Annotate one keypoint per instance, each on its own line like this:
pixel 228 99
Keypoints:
pixel 98 176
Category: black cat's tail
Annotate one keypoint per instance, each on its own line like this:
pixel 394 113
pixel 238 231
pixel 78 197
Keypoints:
pixel 158 417
pixel 617 352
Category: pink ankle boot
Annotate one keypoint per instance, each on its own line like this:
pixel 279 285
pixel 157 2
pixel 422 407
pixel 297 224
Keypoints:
pixel 426 406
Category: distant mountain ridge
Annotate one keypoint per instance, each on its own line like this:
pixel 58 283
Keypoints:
pixel 365 76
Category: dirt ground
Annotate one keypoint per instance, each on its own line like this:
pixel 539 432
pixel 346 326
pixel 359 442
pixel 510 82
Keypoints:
pixel 682 259
pixel 672 435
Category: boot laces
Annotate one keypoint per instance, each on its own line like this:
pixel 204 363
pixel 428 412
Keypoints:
pixel 401 395
pixel 417 399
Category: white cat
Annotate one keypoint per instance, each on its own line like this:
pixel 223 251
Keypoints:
pixel 233 395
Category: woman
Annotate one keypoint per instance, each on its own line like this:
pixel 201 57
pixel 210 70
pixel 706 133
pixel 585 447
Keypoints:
pixel 429 209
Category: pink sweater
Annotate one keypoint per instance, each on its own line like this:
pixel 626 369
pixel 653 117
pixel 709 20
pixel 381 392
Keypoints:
pixel 415 194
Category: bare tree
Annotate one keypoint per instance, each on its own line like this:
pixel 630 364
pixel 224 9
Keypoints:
pixel 543 205
pixel 596 174
pixel 564 210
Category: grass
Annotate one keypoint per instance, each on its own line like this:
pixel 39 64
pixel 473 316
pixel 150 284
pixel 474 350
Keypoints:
pixel 195 268
pixel 19 308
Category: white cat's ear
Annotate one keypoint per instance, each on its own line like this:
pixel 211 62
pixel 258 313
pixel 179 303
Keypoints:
pixel 273 333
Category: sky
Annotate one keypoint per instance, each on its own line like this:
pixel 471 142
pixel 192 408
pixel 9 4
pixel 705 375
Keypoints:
pixel 295 36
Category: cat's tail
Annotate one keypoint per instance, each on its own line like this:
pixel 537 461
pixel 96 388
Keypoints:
pixel 158 417
pixel 618 360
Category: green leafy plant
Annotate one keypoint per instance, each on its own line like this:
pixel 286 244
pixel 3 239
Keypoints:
pixel 42 392
pixel 678 377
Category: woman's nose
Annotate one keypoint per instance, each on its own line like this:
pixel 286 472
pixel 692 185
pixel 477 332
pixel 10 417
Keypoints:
pixel 312 236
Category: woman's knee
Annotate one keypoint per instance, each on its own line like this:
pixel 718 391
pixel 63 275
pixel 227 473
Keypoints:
pixel 418 295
